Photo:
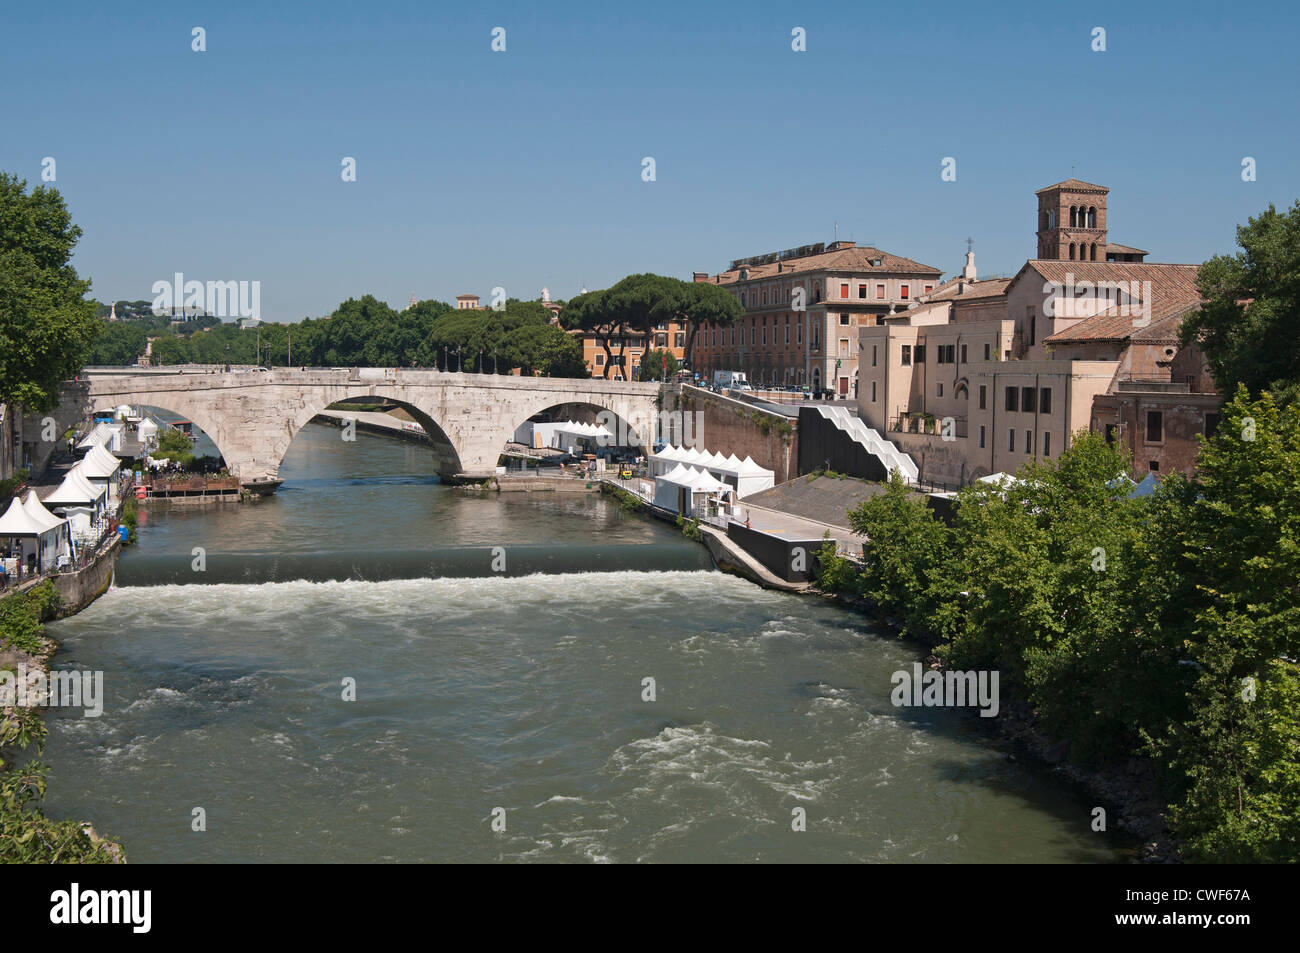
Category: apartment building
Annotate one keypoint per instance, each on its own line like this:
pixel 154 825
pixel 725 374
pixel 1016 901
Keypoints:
pixel 803 308
pixel 981 376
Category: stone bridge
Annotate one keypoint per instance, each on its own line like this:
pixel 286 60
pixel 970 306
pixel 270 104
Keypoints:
pixel 252 416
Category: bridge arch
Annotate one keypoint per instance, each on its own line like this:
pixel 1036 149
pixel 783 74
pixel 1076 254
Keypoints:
pixel 253 416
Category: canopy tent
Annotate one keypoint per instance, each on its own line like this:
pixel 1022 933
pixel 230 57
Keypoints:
pixel 682 489
pixel 101 468
pixel 562 435
pixel 37 537
pixel 80 500
pixel 1146 487
pixel 106 435
pixel 744 476
pixel 1001 479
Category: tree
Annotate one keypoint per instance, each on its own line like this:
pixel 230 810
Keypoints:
pixel 175 446
pixel 1240 543
pixel 119 343
pixel 47 325
pixel 543 349
pixel 655 362
pixel 1249 325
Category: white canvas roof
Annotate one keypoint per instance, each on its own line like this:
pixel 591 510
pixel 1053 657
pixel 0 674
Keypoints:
pixel 18 522
pixel 75 489
pixel 99 463
pixel 32 504
pixel 97 436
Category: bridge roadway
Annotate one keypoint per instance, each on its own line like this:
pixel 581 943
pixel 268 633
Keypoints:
pixel 252 416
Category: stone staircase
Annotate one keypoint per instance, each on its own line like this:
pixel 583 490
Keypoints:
pixel 854 429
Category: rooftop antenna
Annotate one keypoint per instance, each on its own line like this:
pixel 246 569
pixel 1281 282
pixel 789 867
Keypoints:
pixel 837 230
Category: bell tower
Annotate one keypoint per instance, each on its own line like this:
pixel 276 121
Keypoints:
pixel 1072 221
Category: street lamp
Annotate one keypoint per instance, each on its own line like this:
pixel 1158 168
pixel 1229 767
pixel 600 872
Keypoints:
pixel 227 358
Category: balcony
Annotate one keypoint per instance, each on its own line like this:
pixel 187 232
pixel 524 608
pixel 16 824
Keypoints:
pixel 926 425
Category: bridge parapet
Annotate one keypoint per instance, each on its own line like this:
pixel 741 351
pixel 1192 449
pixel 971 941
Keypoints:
pixel 252 415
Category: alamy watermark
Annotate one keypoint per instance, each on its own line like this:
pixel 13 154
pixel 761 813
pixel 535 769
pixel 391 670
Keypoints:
pixel 222 299
pixel 1083 299
pixel 61 689
pixel 935 689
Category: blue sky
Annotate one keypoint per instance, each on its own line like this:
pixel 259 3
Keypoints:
pixel 522 169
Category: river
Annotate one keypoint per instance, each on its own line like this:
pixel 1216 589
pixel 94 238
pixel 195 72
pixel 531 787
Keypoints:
pixel 480 687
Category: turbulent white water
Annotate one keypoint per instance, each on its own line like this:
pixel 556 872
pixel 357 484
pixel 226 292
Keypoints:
pixel 524 693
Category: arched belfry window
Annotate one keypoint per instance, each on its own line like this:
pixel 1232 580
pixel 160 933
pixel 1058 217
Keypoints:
pixel 1073 216
pixel 1071 251
pixel 1092 217
pixel 1094 251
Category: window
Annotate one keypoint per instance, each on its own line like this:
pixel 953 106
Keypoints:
pixel 940 354
pixel 873 355
pixel 907 355
pixel 986 352
pixel 862 291
pixel 1112 431
pixel 1027 400
pixel 873 392
pixel 1045 400
pixel 787 330
pixel 1047 444
pixel 952 353
pixel 1013 398
pixel 1155 426
pixel 903 291
pixel 1211 424
pixel 1031 319
pixel 981 436
pixel 1155 466
pixel 753 334
pixel 1029 441
pixel 844 320
pixel 880 292
pixel 982 397
pixel 600 360
pixel 919 353
pixel 963 353
pixel 938 390
pixel 1011 440
pixel 844 290
pixel 929 288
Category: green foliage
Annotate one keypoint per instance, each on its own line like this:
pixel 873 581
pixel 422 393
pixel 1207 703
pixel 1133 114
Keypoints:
pixel 131 518
pixel 46 324
pixel 1239 548
pixel 833 572
pixel 119 343
pixel 653 365
pixel 1249 325
pixel 175 446
pixel 904 549
pixel 21 615
pixel 690 528
pixel 1166 625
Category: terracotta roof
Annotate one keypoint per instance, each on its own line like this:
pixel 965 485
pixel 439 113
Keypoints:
pixel 988 288
pixel 843 260
pixel 1073 184
pixel 1173 294
pixel 1126 249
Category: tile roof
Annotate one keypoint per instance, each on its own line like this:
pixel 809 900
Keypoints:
pixel 843 260
pixel 1173 293
pixel 1126 249
pixel 951 290
pixel 1076 184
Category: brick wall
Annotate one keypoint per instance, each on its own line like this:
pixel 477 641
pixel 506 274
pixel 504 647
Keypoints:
pixel 729 426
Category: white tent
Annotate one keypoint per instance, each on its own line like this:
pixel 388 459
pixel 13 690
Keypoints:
pixel 100 468
pixel 1001 479
pixel 683 489
pixel 751 478
pixel 80 500
pixel 36 536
